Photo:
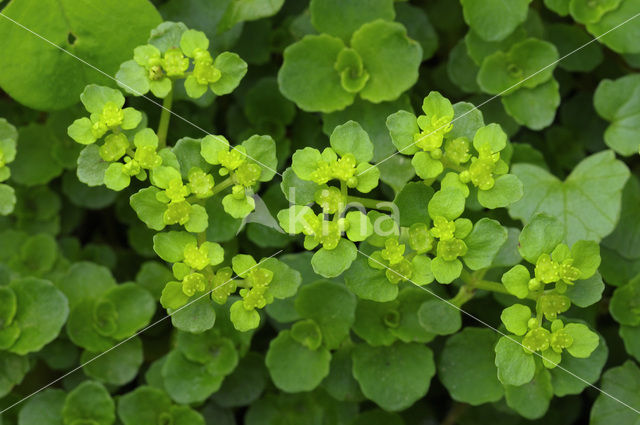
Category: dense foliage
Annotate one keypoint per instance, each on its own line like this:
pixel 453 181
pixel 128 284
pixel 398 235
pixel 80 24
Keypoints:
pixel 319 212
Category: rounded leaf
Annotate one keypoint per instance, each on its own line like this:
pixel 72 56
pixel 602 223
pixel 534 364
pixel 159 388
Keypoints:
pixel 331 306
pixel 170 245
pixel 585 341
pixel 339 18
pixel 116 367
pixel 484 243
pixel 44 408
pixel 369 283
pixel 507 190
pixel 532 399
pixel 613 101
pixel 145 404
pixel 467 357
pixel 624 303
pixel 528 63
pixel 393 377
pixel 402 126
pixel 389 56
pixel 623 383
pixel 195 317
pixel 493 20
pixel 243 320
pixel 293 367
pixel 134 306
pixel 351 138
pixel 187 381
pixel 534 107
pixel 148 208
pixel 515 365
pixel 587 203
pixel 516 280
pixel 627 30
pixel 89 402
pixel 308 78
pixel 448 203
pixel 439 318
pixel 332 263
pixel 41 311
pixel 516 318
pixel 233 69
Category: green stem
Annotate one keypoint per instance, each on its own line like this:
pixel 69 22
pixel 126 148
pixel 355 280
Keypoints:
pixel 500 288
pixel 165 116
pixel 372 204
pixel 464 294
pixel 223 185
pixel 475 281
pixel 344 191
pixel 487 285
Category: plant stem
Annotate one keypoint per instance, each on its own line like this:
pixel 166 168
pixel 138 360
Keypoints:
pixel 372 204
pixel 499 287
pixel 344 190
pixel 464 294
pixel 488 285
pixel 165 116
pixel 223 185
pixel 474 281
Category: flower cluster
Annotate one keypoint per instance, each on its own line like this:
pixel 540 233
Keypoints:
pixel 177 53
pixel 107 117
pixel 473 159
pixel 556 267
pixel 246 165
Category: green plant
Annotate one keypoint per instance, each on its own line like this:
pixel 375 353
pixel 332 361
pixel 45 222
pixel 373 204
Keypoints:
pixel 9 137
pixel 335 204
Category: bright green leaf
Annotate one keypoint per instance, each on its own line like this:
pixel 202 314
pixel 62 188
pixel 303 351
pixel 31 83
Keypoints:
pixel 483 243
pixel 516 280
pixel 331 306
pixel 389 56
pixel 393 377
pixel 494 20
pixel 439 318
pixel 341 18
pixel 94 40
pixel 584 340
pixel 307 76
pixel 615 101
pixel 515 365
pixel 89 402
pixel 468 357
pixel 332 263
pixel 293 367
pixel 587 203
pixel 516 318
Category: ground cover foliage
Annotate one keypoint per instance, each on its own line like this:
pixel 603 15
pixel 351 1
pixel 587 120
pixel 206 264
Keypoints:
pixel 319 212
